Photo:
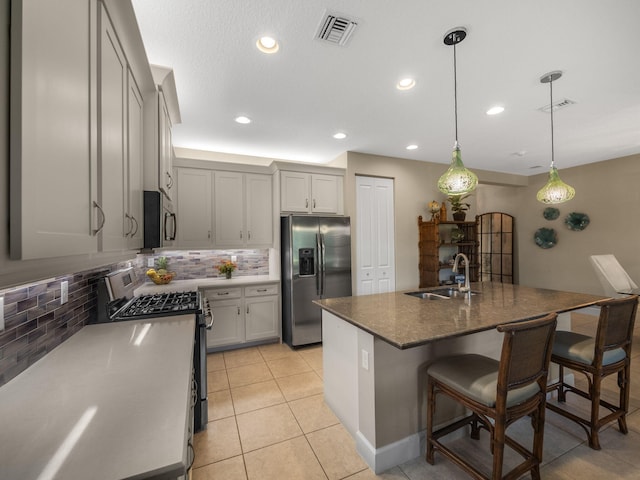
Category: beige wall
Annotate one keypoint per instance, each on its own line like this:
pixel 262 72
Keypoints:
pixel 566 266
pixel 414 187
pixel 609 192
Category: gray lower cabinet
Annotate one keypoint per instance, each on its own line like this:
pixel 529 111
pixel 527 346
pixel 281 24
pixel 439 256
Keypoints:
pixel 243 315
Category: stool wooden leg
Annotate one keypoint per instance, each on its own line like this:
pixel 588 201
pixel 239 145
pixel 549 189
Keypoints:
pixel 537 422
pixel 623 385
pixel 561 393
pixel 475 429
pixel 431 410
pixel 498 447
pixel 594 393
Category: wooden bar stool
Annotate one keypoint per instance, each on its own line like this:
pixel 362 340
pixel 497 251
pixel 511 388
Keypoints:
pixel 596 357
pixel 497 393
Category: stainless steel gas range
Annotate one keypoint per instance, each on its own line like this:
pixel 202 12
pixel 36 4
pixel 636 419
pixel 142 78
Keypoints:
pixel 116 303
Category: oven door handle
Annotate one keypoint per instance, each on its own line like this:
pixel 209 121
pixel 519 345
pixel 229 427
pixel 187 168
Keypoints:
pixel 207 312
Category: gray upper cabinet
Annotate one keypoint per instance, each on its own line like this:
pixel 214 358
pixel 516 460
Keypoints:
pixel 53 154
pixel 112 157
pixel 76 131
pixel 313 193
pixel 161 113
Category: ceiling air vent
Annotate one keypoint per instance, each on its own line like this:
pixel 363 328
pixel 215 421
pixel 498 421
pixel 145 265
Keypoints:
pixel 336 29
pixel 557 105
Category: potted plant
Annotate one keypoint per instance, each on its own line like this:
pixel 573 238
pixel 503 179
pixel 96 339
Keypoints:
pixel 458 207
pixel 227 267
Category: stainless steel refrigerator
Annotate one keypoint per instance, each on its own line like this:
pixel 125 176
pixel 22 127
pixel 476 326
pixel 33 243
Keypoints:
pixel 316 263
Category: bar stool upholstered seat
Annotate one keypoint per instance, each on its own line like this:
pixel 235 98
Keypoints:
pixel 496 393
pixel 597 357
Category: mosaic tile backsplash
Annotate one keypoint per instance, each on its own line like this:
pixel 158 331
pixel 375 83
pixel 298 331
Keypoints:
pixel 36 323
pixel 204 263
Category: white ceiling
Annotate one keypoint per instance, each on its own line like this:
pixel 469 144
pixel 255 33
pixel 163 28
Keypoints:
pixel 299 97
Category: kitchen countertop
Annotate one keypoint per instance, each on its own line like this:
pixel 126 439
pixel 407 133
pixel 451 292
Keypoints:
pixel 203 283
pixel 101 405
pixel 405 321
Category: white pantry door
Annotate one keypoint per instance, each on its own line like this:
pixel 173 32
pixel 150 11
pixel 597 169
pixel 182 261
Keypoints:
pixel 375 264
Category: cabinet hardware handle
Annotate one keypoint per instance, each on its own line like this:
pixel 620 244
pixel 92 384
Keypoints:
pixel 249 234
pixel 137 225
pixel 223 293
pixel 240 234
pixel 128 217
pixel 314 203
pixel 170 184
pixel 97 230
pixel 261 290
pixel 209 234
pixel 306 203
pixel 247 309
pixel 170 236
pixel 238 310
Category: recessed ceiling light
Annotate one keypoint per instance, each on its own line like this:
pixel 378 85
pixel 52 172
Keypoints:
pixel 495 110
pixel 412 147
pixel 340 135
pixel 267 45
pixel 406 84
pixel 242 119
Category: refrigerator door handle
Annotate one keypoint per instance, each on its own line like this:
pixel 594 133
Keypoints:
pixel 323 265
pixel 318 265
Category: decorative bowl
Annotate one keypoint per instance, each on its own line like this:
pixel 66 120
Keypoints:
pixel 162 278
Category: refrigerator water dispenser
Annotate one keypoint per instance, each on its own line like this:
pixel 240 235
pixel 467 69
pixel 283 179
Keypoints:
pixel 306 260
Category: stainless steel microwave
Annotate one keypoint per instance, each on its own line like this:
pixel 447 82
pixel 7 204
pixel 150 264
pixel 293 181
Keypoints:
pixel 160 222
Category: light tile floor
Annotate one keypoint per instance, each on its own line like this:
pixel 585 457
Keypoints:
pixel 268 420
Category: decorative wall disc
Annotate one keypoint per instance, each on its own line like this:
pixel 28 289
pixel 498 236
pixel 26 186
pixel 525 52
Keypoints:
pixel 551 213
pixel 545 237
pixel 577 221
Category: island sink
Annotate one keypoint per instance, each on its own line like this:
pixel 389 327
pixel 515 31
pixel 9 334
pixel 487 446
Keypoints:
pixel 440 294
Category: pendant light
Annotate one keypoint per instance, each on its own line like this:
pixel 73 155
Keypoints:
pixel 457 180
pixel 555 191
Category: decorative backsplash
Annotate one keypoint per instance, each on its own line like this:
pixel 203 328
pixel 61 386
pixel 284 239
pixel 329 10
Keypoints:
pixel 204 263
pixel 36 323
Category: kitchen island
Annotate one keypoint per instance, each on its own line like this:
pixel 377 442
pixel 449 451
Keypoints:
pixel 113 401
pixel 376 349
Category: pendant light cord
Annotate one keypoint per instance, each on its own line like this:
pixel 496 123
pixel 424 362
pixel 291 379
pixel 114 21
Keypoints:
pixel 551 107
pixel 455 91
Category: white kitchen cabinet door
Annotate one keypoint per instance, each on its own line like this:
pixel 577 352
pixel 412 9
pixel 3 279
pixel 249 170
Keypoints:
pixel 295 188
pixel 261 317
pixel 324 193
pixel 112 153
pixel 134 145
pixel 194 202
pixel 53 153
pixel 228 323
pixel 259 210
pixel 310 193
pixel 229 209
pixel 165 149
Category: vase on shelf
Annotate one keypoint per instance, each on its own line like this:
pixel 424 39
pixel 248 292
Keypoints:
pixel 228 275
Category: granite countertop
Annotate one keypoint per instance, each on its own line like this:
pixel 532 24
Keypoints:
pixel 102 405
pixel 405 321
pixel 203 283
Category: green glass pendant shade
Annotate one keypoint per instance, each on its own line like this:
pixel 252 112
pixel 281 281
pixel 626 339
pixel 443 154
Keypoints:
pixel 555 191
pixel 457 180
